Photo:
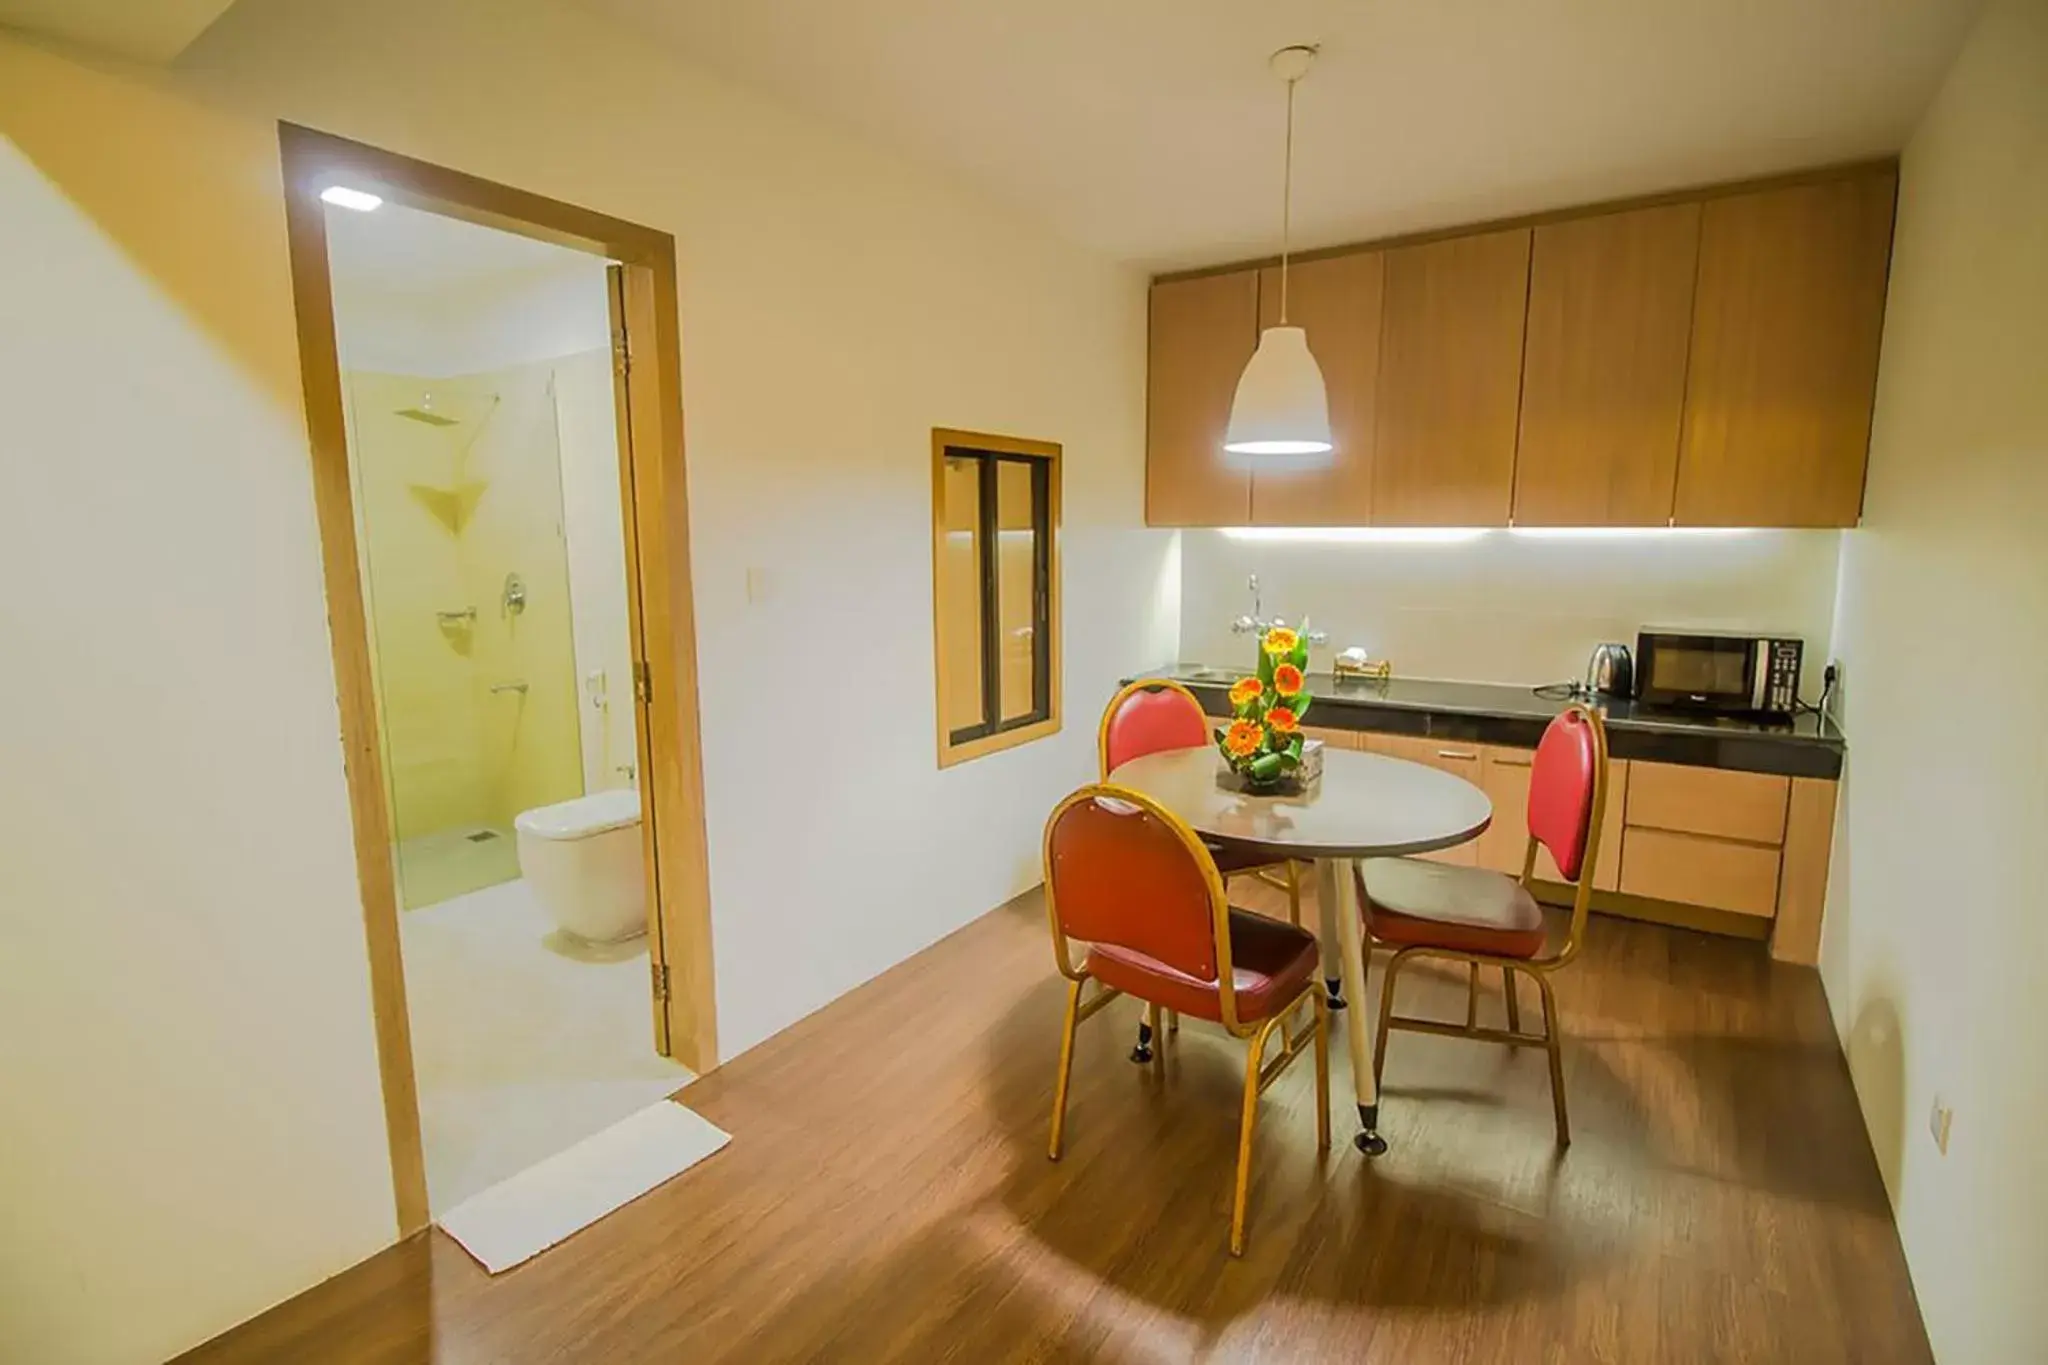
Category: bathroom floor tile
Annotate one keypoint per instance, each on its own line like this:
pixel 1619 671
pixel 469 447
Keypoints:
pixel 521 1048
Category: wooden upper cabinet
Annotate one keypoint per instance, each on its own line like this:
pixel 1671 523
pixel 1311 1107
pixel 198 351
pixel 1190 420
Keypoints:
pixel 1603 373
pixel 1336 300
pixel 1202 333
pixel 1450 381
pixel 1786 324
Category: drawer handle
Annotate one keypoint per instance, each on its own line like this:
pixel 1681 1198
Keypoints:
pixel 1454 753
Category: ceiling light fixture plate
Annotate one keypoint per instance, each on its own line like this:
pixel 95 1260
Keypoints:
pixel 1290 64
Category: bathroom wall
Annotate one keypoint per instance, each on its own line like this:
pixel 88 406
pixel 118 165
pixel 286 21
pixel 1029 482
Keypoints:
pixel 412 570
pixel 1507 606
pixel 444 514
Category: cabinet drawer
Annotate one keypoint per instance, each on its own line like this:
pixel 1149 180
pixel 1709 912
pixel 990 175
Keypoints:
pixel 1727 805
pixel 1695 870
pixel 1456 757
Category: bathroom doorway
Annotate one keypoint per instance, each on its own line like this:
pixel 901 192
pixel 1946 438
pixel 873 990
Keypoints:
pixel 493 395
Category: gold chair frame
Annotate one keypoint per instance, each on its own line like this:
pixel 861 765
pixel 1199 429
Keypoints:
pixel 1259 1072
pixel 1538 969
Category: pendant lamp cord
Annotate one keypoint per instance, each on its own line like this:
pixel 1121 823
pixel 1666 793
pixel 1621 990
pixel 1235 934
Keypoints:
pixel 1286 201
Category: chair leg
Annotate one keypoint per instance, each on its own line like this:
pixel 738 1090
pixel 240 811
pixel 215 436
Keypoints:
pixel 1173 1023
pixel 1507 984
pixel 1379 1044
pixel 1254 1060
pixel 1556 1050
pixel 1059 1090
pixel 1294 893
pixel 1322 1027
pixel 1142 1053
pixel 1471 995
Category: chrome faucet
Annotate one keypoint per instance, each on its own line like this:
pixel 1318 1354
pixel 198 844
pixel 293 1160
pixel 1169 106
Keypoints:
pixel 1258 624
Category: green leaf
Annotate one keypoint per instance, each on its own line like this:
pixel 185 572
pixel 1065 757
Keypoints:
pixel 1289 760
pixel 1267 663
pixel 1299 658
pixel 1300 704
pixel 1266 767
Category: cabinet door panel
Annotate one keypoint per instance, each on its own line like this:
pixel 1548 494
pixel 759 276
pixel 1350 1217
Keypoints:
pixel 1603 374
pixel 1450 381
pixel 1786 321
pixel 1693 869
pixel 1727 805
pixel 1336 301
pixel 1202 333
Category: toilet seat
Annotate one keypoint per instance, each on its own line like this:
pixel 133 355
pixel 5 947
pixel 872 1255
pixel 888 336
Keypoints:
pixel 582 817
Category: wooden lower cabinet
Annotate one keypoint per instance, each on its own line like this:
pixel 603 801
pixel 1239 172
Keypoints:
pixel 1749 844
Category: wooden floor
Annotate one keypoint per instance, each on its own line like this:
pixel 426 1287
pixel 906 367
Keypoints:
pixel 887 1197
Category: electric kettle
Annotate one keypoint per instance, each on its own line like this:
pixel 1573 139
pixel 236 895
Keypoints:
pixel 1610 672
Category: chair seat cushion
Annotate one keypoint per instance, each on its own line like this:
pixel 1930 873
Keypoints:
pixel 1409 902
pixel 1270 962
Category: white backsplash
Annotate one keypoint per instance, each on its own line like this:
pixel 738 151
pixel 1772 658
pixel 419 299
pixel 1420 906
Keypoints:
pixel 1512 607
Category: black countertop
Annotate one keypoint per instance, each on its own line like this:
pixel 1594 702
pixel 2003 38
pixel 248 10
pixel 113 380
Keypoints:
pixel 1495 713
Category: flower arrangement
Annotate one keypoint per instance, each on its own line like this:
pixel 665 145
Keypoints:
pixel 1262 743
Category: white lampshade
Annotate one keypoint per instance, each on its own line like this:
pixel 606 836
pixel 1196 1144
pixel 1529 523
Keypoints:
pixel 1280 418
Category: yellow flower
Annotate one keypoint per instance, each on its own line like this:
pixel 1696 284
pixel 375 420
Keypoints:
pixel 1244 690
pixel 1282 720
pixel 1243 739
pixel 1287 680
pixel 1280 640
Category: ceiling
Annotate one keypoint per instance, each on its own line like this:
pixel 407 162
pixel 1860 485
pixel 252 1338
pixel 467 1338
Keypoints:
pixel 1151 129
pixel 147 30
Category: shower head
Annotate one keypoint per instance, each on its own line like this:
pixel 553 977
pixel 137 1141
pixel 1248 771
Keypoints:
pixel 425 413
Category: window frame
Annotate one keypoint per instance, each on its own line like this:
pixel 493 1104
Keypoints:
pixel 992 735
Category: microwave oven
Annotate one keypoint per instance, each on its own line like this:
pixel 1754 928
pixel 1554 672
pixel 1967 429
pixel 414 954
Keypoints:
pixel 1744 675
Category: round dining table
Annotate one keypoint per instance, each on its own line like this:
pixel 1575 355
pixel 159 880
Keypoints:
pixel 1361 806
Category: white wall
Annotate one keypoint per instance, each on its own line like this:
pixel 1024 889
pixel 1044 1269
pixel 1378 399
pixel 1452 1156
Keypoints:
pixel 191 1110
pixel 1511 607
pixel 1936 925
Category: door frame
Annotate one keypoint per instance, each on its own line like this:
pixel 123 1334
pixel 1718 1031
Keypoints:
pixel 647 374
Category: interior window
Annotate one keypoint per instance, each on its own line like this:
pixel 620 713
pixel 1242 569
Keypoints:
pixel 995 591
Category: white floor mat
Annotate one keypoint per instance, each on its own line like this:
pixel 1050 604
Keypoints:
pixel 521 1217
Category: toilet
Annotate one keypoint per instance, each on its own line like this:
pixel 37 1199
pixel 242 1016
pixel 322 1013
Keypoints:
pixel 582 858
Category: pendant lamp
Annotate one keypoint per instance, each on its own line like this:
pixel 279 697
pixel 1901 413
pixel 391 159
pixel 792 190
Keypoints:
pixel 1280 417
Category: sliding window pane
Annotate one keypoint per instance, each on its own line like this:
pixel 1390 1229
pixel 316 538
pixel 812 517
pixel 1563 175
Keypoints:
pixel 1017 586
pixel 959 592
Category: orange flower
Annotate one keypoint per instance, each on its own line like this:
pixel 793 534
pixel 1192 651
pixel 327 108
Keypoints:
pixel 1287 680
pixel 1244 690
pixel 1280 640
pixel 1243 738
pixel 1283 721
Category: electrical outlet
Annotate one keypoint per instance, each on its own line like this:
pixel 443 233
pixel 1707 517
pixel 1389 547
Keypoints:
pixel 1938 1122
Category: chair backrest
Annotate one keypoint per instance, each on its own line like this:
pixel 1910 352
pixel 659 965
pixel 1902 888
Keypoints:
pixel 1120 869
pixel 1148 717
pixel 1567 784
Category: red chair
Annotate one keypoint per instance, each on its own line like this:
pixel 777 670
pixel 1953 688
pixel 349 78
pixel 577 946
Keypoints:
pixel 1485 919
pixel 1153 715
pixel 1132 881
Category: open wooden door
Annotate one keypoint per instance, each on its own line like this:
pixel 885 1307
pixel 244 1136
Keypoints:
pixel 662 627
